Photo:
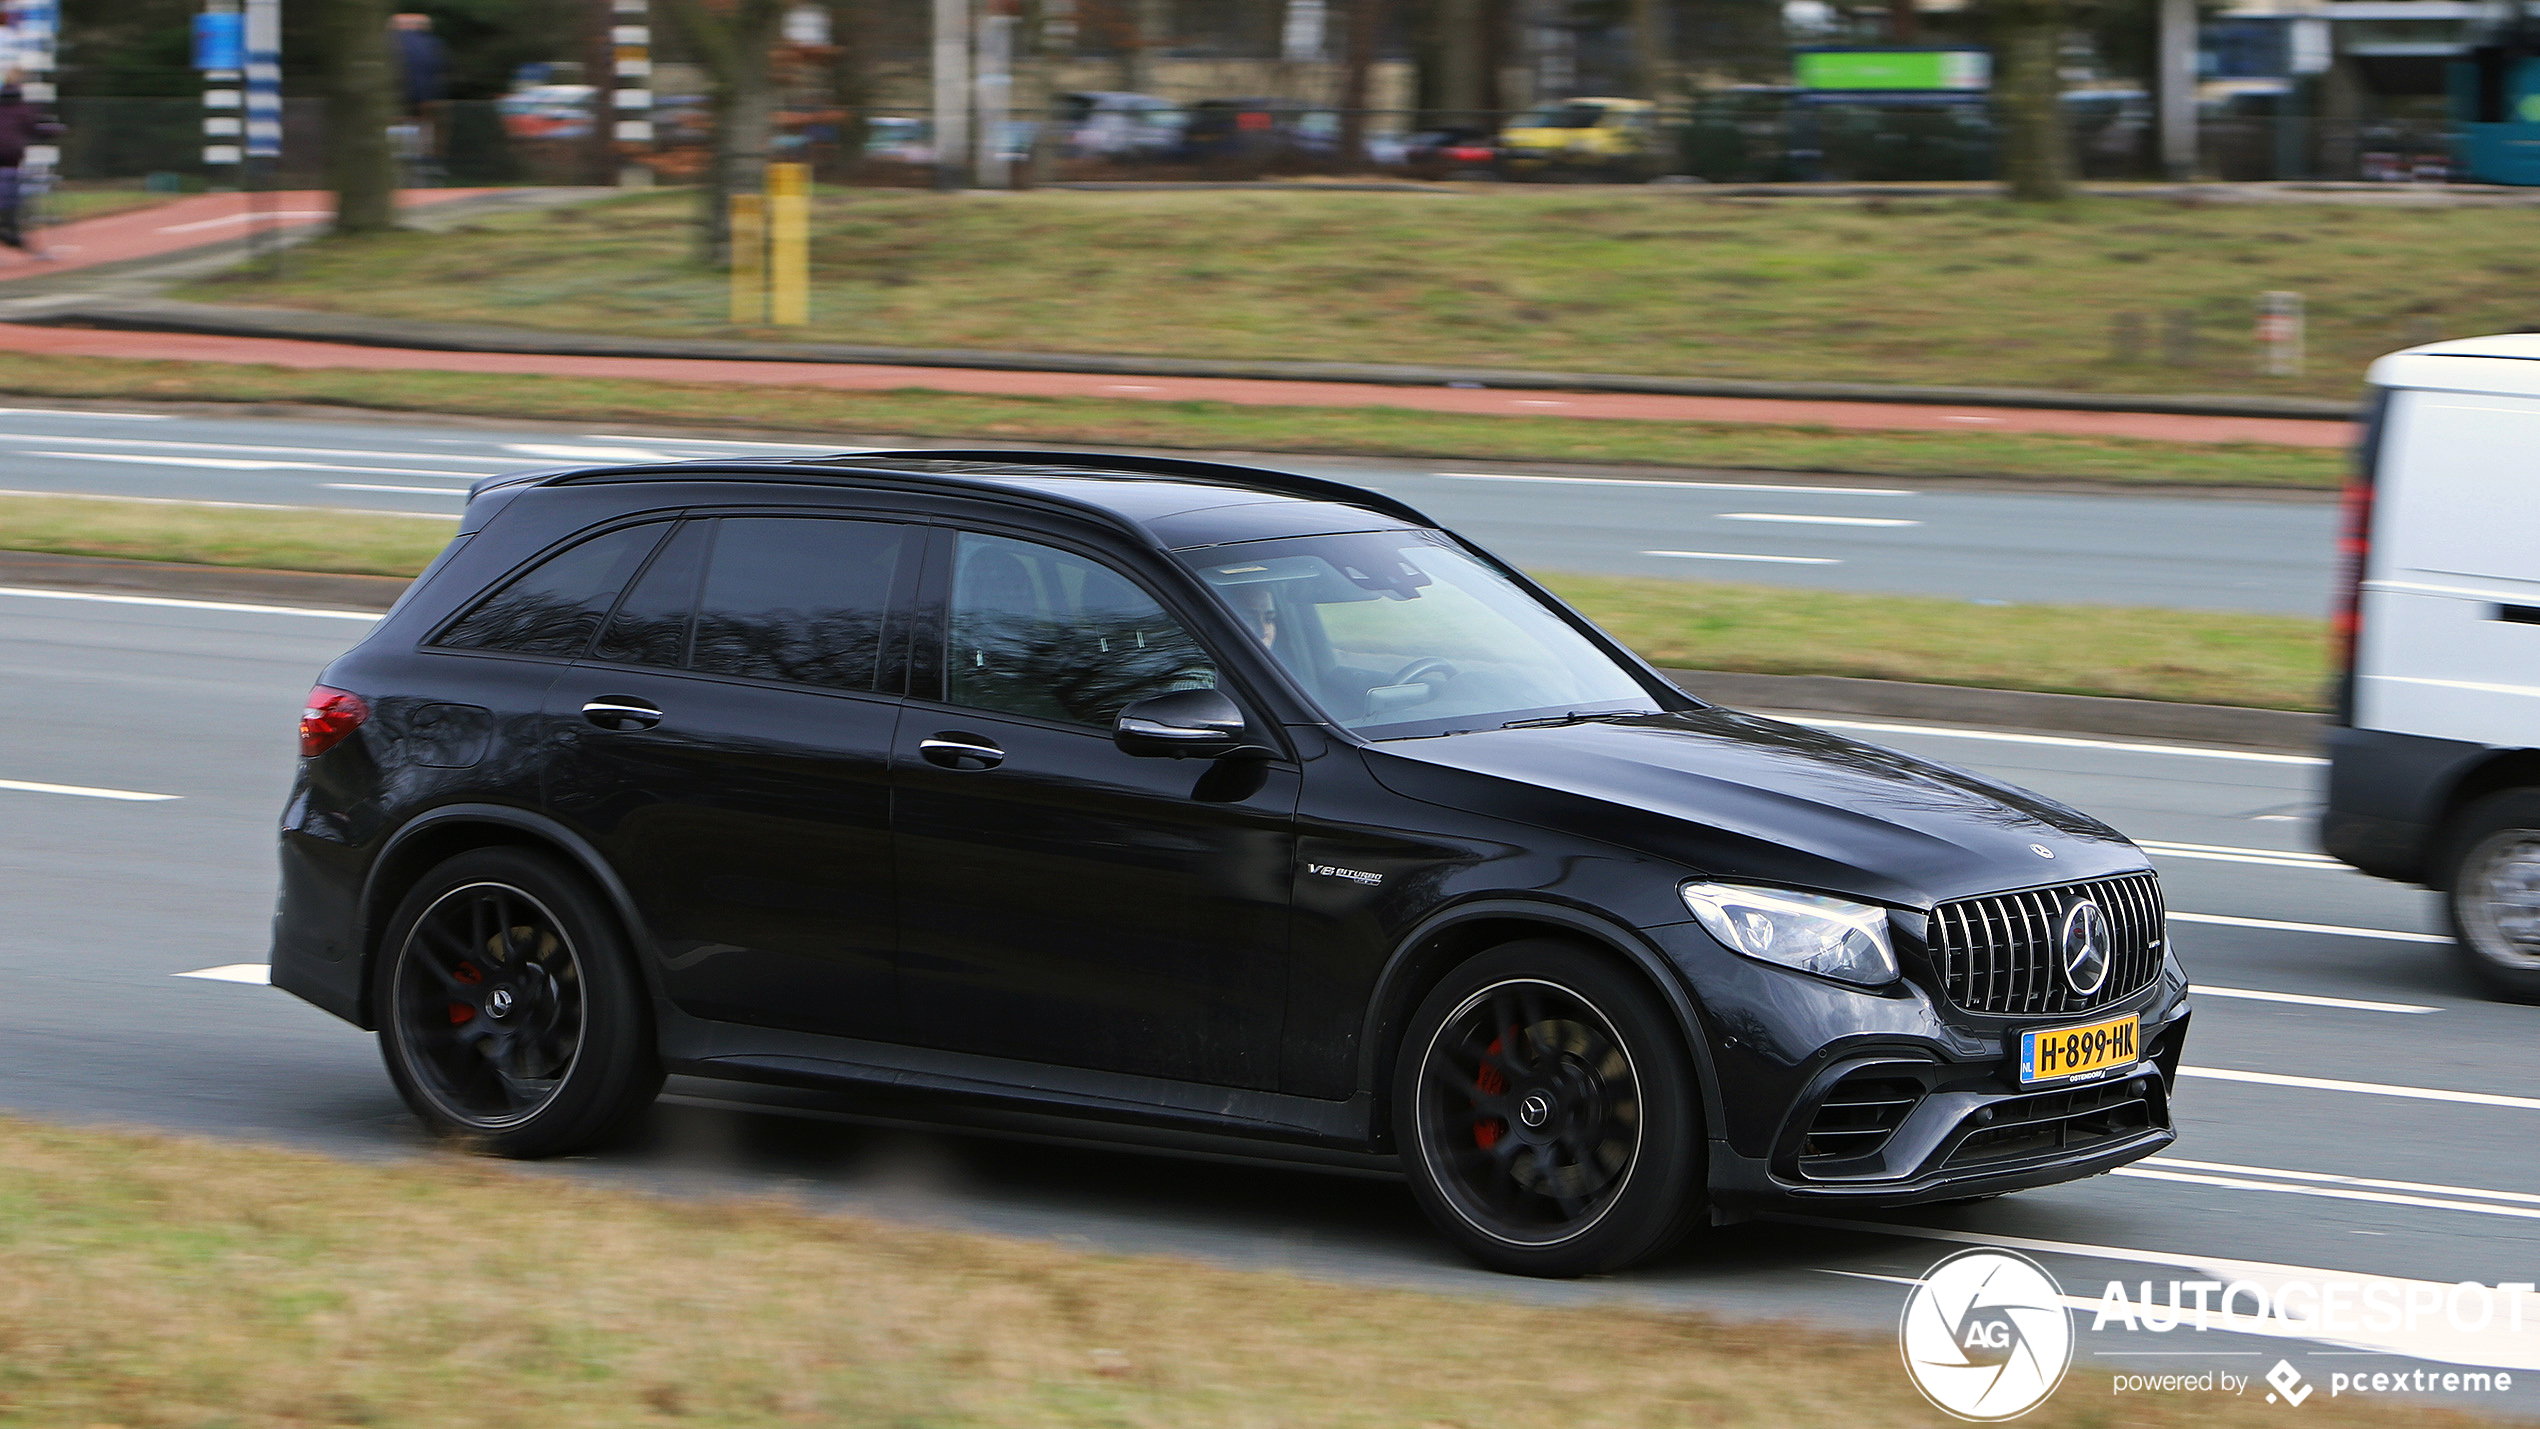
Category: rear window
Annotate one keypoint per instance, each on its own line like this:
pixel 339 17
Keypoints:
pixel 555 607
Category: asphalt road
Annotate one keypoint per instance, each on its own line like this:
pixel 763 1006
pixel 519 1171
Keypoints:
pixel 1944 539
pixel 2386 1136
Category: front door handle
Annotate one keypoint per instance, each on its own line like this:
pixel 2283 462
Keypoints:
pixel 955 750
pixel 621 712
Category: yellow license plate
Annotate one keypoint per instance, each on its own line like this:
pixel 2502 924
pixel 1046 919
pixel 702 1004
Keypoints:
pixel 2057 1052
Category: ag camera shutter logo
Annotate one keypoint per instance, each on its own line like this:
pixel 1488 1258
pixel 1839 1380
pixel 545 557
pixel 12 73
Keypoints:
pixel 1986 1335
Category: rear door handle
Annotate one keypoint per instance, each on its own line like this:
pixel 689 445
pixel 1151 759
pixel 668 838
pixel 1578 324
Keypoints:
pixel 955 750
pixel 621 712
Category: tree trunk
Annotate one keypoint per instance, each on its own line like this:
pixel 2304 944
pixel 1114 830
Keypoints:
pixel 361 90
pixel 1457 43
pixel 734 48
pixel 1366 24
pixel 1152 21
pixel 1649 49
pixel 2028 94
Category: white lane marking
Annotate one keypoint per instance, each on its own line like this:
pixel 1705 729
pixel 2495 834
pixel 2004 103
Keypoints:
pixel 1797 520
pixel 1680 485
pixel 100 416
pixel 2059 741
pixel 565 453
pixel 259 974
pixel 2496 1345
pixel 2332 1193
pixel 2330 1178
pixel 2301 855
pixel 2368 1089
pixel 231 505
pixel 229 218
pixel 1735 556
pixel 727 442
pixel 2262 860
pixel 160 600
pixel 2348 1004
pixel 233 463
pixel 2330 930
pixel 47 437
pixel 405 490
pixel 129 796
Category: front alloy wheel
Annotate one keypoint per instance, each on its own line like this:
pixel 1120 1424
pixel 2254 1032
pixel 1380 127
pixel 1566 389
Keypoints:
pixel 1548 1113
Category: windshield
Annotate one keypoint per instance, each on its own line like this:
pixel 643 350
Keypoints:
pixel 1400 633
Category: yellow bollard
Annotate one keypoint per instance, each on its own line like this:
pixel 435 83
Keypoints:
pixel 749 260
pixel 789 244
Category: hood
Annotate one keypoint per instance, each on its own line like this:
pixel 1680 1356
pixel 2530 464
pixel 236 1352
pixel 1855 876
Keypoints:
pixel 1751 800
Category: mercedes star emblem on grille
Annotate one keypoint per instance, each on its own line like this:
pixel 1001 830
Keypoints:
pixel 2085 945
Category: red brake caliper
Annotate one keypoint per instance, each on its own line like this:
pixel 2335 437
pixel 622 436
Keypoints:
pixel 1487 1131
pixel 459 1011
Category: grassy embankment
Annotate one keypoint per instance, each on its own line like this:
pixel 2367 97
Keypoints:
pixel 2201 657
pixel 864 417
pixel 154 1283
pixel 1956 290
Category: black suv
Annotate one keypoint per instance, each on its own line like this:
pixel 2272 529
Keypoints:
pixel 1210 798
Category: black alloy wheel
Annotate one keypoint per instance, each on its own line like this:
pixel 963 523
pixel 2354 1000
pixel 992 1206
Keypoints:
pixel 2493 877
pixel 508 1009
pixel 1547 1113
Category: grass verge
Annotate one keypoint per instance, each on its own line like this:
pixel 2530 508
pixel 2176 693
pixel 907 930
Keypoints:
pixel 156 1282
pixel 1942 289
pixel 2277 662
pixel 1213 426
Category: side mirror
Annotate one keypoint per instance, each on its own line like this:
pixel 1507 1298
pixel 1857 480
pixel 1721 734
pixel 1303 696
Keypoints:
pixel 1185 724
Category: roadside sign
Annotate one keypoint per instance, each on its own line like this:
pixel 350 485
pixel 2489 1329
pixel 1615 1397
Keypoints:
pixel 1963 71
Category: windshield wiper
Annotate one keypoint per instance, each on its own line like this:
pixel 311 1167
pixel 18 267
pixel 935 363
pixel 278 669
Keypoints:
pixel 1573 717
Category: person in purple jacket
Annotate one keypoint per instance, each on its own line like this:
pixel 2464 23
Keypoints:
pixel 21 124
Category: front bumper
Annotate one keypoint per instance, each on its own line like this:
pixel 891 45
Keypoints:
pixel 1834 1095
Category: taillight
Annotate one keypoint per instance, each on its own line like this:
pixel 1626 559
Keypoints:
pixel 329 715
pixel 2354 544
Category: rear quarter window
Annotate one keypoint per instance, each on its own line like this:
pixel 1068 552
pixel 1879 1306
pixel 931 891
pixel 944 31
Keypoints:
pixel 556 606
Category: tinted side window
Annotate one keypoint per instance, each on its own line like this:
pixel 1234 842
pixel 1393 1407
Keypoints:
pixel 798 598
pixel 651 624
pixel 1037 631
pixel 554 607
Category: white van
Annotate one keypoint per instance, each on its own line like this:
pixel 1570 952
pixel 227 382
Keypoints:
pixel 2434 751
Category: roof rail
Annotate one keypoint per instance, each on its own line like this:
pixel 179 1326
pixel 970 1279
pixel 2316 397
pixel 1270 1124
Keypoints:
pixel 1283 483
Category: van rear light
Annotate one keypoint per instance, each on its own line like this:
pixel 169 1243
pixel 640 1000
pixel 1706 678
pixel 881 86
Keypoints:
pixel 2354 544
pixel 328 716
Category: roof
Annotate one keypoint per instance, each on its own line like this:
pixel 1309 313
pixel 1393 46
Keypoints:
pixel 2506 365
pixel 1178 503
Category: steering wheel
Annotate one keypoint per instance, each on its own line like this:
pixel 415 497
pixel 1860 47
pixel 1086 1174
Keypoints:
pixel 1429 671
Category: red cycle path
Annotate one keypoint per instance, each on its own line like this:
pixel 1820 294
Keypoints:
pixel 193 222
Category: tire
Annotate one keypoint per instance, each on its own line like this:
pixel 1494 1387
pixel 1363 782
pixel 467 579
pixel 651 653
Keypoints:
pixel 2492 870
pixel 1613 1173
pixel 509 1009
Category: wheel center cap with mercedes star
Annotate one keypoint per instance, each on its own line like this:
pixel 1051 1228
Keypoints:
pixel 1220 801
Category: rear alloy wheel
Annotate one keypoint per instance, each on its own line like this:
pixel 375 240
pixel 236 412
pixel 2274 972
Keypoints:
pixel 509 1012
pixel 2494 880
pixel 1547 1113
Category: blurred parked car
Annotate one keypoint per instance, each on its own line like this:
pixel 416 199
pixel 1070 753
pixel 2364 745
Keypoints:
pixel 1111 124
pixel 1258 131
pixel 1449 154
pixel 547 111
pixel 1590 138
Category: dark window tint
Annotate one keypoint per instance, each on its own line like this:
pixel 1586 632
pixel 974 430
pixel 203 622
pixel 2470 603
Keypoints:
pixel 797 598
pixel 1037 631
pixel 651 624
pixel 554 607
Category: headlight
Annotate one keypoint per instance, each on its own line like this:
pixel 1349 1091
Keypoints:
pixel 1808 931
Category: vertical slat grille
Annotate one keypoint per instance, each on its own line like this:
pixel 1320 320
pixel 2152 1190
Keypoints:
pixel 2003 954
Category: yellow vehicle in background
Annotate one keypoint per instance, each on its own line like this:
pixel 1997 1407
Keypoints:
pixel 1613 139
